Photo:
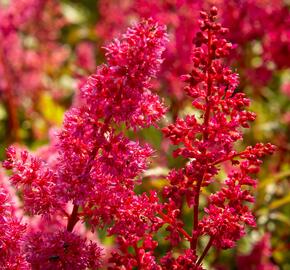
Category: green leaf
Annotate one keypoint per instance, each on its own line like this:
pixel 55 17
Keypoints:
pixel 273 179
pixel 280 202
pixel 281 217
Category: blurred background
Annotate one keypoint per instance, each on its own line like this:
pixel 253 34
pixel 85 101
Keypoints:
pixel 49 47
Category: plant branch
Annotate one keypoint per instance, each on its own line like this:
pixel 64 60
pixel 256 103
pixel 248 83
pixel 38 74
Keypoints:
pixel 168 220
pixel 73 219
pixel 208 246
pixel 193 243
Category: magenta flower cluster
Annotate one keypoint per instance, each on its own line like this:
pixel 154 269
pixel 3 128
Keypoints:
pixel 87 177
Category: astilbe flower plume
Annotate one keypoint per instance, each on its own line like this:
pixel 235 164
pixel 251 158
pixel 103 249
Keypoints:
pixel 207 141
pixel 95 166
pixel 94 157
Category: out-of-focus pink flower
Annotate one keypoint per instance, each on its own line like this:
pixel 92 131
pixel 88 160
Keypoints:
pixel 286 118
pixel 85 55
pixel 259 258
pixel 286 89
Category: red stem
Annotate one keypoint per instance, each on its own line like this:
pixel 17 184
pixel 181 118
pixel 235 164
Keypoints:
pixel 194 239
pixel 137 255
pixel 168 220
pixel 73 219
pixel 208 246
pixel 209 85
pixel 227 158
pixel 193 242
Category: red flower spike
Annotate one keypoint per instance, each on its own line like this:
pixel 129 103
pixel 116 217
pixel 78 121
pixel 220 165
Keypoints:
pixel 95 167
pixel 207 143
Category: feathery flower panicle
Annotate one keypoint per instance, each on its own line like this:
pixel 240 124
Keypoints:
pixel 120 90
pixel 208 141
pixel 93 157
pixel 97 167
